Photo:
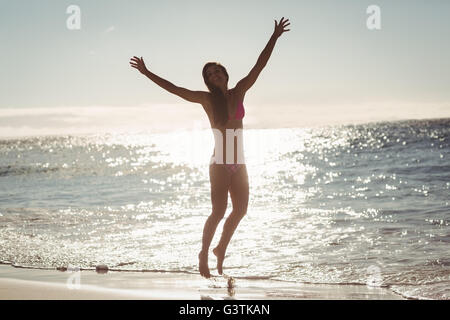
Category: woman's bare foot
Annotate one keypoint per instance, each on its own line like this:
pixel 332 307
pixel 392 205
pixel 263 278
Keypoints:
pixel 220 257
pixel 203 264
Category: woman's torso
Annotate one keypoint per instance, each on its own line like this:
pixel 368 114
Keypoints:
pixel 233 101
pixel 233 125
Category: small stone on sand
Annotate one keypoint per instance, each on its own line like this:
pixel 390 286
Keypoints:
pixel 101 268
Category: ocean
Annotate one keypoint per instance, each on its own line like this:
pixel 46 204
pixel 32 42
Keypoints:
pixel 360 204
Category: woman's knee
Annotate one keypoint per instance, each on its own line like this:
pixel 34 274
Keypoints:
pixel 218 213
pixel 240 213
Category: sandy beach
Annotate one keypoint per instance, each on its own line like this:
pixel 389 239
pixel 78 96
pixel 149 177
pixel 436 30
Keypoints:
pixel 35 284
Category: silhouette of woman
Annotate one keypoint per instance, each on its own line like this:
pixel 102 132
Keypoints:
pixel 225 110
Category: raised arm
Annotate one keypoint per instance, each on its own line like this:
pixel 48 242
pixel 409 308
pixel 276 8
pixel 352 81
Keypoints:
pixel 246 83
pixel 192 96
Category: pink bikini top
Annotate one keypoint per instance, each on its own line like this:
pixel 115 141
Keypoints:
pixel 240 112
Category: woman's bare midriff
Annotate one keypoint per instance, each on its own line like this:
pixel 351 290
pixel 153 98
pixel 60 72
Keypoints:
pixel 232 123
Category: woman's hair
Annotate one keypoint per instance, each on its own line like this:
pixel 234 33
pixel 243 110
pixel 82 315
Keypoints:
pixel 219 102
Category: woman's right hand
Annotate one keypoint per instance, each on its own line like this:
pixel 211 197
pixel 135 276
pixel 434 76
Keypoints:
pixel 139 64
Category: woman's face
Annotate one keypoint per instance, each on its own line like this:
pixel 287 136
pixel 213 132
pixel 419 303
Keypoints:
pixel 216 76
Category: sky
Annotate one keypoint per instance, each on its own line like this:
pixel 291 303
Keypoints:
pixel 330 68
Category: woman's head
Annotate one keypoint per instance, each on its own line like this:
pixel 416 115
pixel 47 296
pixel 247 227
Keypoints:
pixel 215 75
pixel 216 78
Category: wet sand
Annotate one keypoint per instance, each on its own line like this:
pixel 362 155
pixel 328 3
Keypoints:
pixel 30 284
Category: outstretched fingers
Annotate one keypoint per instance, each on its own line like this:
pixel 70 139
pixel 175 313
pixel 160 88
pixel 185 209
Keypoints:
pixel 285 23
pixel 137 63
pixel 280 27
pixel 135 60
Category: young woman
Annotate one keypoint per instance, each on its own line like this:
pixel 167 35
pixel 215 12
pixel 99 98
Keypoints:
pixel 225 110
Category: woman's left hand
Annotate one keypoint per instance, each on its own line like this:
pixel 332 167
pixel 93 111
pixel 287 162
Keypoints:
pixel 280 27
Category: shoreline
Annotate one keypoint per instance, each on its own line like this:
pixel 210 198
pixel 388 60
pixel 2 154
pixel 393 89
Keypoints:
pixel 44 284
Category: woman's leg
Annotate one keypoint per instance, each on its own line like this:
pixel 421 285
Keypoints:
pixel 239 192
pixel 220 180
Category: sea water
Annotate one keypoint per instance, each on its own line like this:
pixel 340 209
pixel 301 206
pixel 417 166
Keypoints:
pixel 361 204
